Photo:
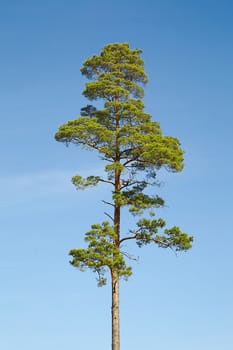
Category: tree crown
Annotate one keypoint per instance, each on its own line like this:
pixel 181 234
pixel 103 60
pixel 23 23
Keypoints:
pixel 134 149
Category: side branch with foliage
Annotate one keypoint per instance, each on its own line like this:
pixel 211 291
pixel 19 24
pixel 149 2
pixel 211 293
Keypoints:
pixel 133 149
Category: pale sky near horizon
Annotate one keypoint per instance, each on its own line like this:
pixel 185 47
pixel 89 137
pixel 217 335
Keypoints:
pixel 181 302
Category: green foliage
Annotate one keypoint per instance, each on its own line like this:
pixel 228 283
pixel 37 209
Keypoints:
pixel 174 238
pixel 81 183
pixel 134 148
pixel 137 202
pixel 101 253
pixel 121 129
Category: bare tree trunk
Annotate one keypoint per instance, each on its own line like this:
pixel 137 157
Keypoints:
pixel 115 312
pixel 116 287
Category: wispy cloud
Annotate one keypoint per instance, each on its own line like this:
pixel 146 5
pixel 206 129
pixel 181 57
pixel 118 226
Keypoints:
pixel 21 188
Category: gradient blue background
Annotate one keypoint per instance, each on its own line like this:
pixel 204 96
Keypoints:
pixel 170 302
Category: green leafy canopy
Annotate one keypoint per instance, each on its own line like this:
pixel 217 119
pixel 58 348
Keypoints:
pixel 134 150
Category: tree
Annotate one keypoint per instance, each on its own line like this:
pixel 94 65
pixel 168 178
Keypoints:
pixel 133 149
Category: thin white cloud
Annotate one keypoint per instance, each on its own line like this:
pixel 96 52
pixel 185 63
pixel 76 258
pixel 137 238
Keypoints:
pixel 21 188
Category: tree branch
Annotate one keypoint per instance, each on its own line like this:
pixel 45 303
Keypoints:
pixel 135 183
pixel 128 238
pixel 109 216
pixel 105 202
pixel 155 240
pixel 130 256
pixel 106 181
pixel 130 160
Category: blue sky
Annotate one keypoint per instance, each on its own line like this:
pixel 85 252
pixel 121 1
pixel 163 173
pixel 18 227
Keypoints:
pixel 182 302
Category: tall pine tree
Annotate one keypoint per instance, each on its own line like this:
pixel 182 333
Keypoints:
pixel 133 149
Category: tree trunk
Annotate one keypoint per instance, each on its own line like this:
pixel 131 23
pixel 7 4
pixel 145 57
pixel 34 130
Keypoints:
pixel 114 272
pixel 115 312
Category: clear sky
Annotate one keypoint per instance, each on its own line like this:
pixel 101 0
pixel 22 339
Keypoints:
pixel 170 302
